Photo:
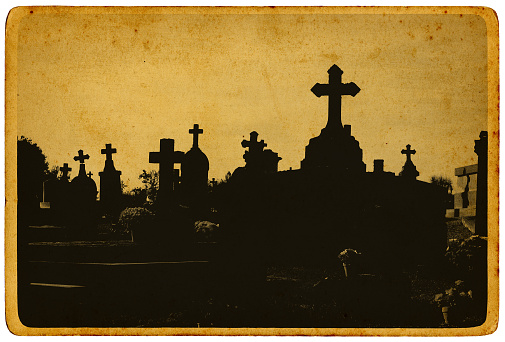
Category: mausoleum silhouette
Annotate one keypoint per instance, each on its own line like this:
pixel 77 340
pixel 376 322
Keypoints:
pixel 331 202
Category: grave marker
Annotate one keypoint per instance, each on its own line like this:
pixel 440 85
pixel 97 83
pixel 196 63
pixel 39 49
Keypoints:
pixel 166 158
pixel 409 170
pixel 110 183
pixel 335 89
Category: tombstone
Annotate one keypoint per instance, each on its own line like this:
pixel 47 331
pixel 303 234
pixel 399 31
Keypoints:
pixel 166 158
pixel 195 169
pixel 409 170
pixel 258 160
pixel 110 184
pixel 83 193
pixel 481 149
pixel 51 189
pixel 378 166
pixel 48 192
pixel 335 147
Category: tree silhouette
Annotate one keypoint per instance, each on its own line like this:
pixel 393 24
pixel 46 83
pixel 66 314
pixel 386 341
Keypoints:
pixel 443 182
pixel 151 183
pixel 446 184
pixel 32 171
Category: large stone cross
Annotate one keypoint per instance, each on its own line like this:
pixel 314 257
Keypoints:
pixel 408 152
pixel 166 158
pixel 81 157
pixel 253 143
pixel 195 131
pixel 335 89
pixel 64 171
pixel 108 151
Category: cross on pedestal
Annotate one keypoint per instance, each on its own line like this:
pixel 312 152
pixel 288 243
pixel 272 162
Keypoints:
pixel 64 171
pixel 408 152
pixel 166 158
pixel 409 170
pixel 196 130
pixel 108 151
pixel 81 157
pixel 253 143
pixel 335 89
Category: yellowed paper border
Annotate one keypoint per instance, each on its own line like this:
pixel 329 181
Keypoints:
pixel 17 14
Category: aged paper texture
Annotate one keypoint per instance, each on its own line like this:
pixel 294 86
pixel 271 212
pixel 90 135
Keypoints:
pixel 417 84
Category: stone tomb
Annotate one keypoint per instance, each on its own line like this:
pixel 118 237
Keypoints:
pixel 465 196
pixel 335 147
pixel 332 203
pixel 258 160
pixel 470 198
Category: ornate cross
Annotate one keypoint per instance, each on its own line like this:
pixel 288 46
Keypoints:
pixel 108 151
pixel 335 89
pixel 408 152
pixel 64 171
pixel 195 131
pixel 166 158
pixel 253 143
pixel 81 157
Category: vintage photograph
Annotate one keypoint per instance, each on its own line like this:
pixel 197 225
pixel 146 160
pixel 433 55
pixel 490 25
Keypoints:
pixel 186 170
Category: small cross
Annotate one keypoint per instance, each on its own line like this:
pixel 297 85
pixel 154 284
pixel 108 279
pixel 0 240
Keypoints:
pixel 335 89
pixel 253 143
pixel 81 157
pixel 108 151
pixel 64 171
pixel 408 152
pixel 213 182
pixel 196 130
pixel 90 174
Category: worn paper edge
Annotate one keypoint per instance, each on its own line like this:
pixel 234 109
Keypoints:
pixel 16 327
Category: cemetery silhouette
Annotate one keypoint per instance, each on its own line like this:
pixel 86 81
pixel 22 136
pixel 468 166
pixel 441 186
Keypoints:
pixel 257 220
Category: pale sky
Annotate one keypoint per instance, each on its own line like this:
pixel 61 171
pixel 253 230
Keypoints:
pixel 85 80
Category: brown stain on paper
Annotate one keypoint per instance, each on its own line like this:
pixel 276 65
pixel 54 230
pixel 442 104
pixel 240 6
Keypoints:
pixel 272 34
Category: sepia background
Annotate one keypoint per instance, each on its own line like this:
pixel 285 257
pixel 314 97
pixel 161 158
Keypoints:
pixel 85 80
pixel 86 77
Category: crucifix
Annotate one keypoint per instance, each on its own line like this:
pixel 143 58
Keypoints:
pixel 408 152
pixel 64 171
pixel 335 89
pixel 196 130
pixel 166 158
pixel 108 151
pixel 253 143
pixel 81 157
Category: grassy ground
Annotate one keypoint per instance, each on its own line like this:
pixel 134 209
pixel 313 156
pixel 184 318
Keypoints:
pixel 287 295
